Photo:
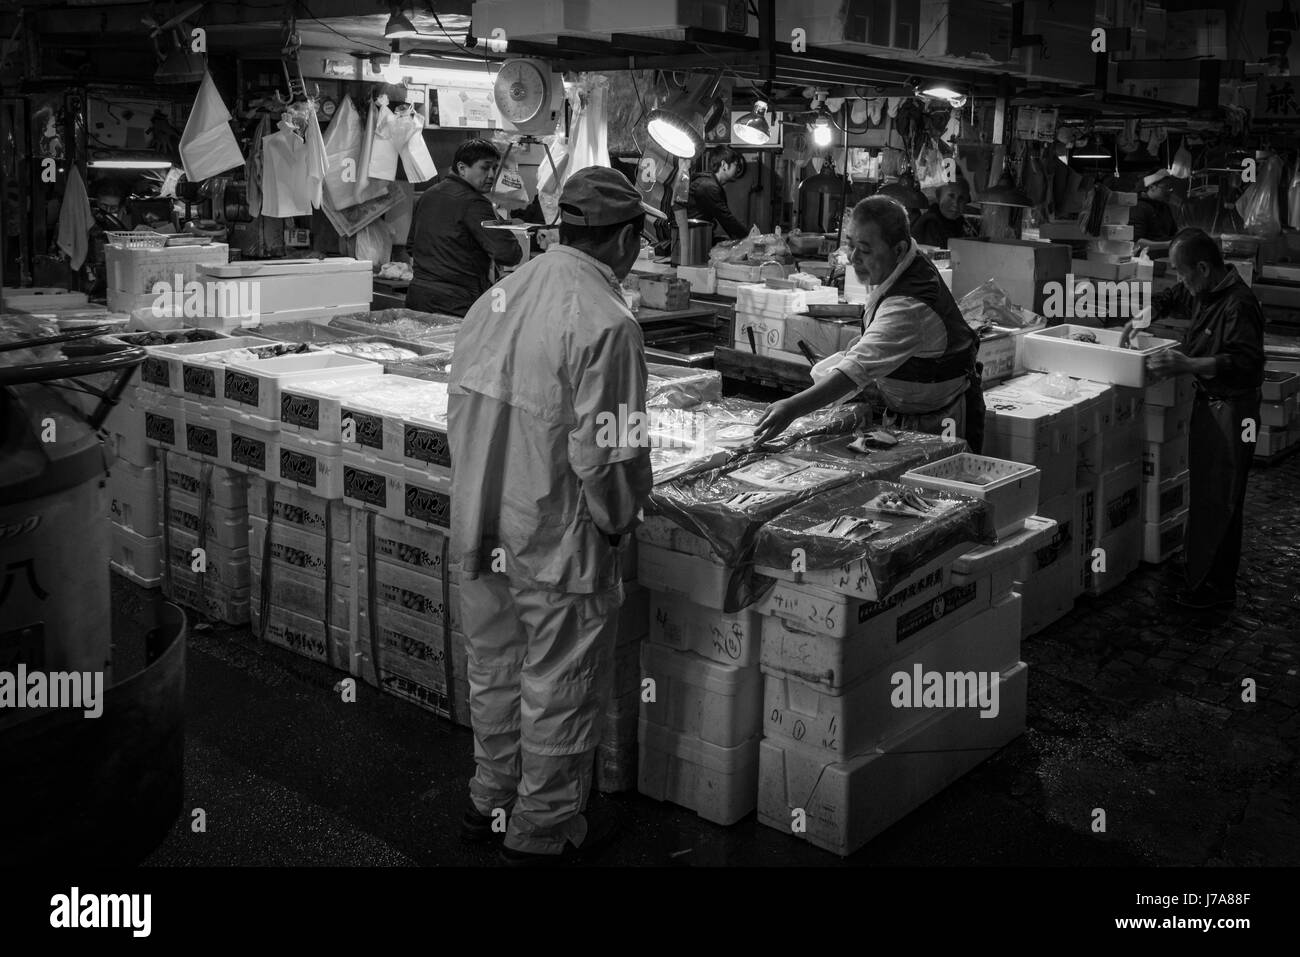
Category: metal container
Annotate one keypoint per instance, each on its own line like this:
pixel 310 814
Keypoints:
pixel 699 241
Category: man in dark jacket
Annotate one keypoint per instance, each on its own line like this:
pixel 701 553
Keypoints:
pixel 943 220
pixel 707 199
pixel 1224 349
pixel 450 249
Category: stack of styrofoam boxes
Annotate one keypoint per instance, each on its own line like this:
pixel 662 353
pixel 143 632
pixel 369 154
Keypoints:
pixel 1279 427
pixel 1108 505
pixel 765 311
pixel 133 273
pixel 700 721
pixel 842 758
pixel 205 537
pixel 1116 242
pixel 1167 415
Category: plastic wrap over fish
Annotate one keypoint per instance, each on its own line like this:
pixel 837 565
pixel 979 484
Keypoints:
pixel 886 526
pixel 683 386
pixel 853 451
pixel 402 323
pixel 726 506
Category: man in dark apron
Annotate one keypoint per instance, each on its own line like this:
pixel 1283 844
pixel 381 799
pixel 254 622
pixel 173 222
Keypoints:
pixel 1224 349
pixel 917 355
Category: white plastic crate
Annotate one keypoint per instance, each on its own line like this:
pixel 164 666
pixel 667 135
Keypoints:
pixel 133 272
pixel 716 635
pixel 300 509
pixel 302 551
pixel 832 662
pixel 863 714
pixel 1009 489
pixel 846 804
pixel 225 527
pixel 168 368
pixel 719 704
pixel 1054 350
pixel 133 497
pixel 252 389
pixel 1162 540
pixel 718 784
pixel 310 465
pixel 225 488
pixel 137 556
pixel 1160 499
pixel 252 450
pixel 304 635
pixel 227 568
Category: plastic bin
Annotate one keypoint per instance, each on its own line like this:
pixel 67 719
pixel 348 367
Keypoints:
pixel 1053 350
pixel 1010 489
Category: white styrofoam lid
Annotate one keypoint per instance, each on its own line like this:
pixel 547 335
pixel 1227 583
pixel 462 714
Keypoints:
pixel 286 267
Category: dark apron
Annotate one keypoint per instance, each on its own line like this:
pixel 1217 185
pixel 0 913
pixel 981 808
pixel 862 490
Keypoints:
pixel 1219 462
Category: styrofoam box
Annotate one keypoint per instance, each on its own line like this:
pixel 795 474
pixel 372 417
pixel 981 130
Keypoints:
pixel 1162 540
pixel 297 289
pixel 1002 562
pixel 311 465
pixel 403 494
pixel 1273 441
pixel 1123 549
pixel 1019 428
pixel 132 576
pixel 252 389
pixel 125 430
pixel 856 577
pixel 252 450
pixel 207 432
pixel 1114 446
pixel 163 368
pixel 164 421
pixel 301 551
pixel 415 547
pixel 1165 423
pixel 1176 391
pixel 379 422
pixel 1046 579
pixel 846 804
pixel 1162 499
pixel 768 332
pixel 1119 498
pixel 1164 460
pixel 410 649
pixel 1093 403
pixel 133 494
pixel 213 601
pixel 683 626
pixel 718 784
pixel 135 555
pixel 304 594
pixel 656 530
pixel 224 526
pixel 697 579
pixel 1278 384
pixel 133 272
pixel 421 442
pixel 412 593
pixel 703 279
pixel 227 567
pixel 1009 489
pixel 43 298
pixel 225 488
pixel 832 662
pixel 301 509
pixel 1052 350
pixel 717 703
pixel 304 635
pixel 863 714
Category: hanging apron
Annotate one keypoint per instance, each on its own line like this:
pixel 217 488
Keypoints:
pixel 1219 462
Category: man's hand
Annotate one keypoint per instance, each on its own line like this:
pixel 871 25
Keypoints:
pixel 1169 362
pixel 776 419
pixel 1127 334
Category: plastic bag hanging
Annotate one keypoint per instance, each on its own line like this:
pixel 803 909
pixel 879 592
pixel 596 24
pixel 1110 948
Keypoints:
pixel 1293 198
pixel 343 150
pixel 384 149
pixel 1258 205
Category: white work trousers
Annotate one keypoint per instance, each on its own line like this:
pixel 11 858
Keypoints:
pixel 541 668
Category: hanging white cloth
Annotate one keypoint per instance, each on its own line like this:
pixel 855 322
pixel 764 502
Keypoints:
pixel 75 219
pixel 588 130
pixel 291 175
pixel 208 145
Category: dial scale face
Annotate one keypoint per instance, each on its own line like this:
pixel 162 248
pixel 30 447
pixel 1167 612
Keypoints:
pixel 522 91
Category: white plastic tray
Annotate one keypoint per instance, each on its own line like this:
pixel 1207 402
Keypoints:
pixel 1010 489
pixel 1053 350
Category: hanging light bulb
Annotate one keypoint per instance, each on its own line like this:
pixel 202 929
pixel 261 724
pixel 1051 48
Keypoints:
pixel 822 131
pixel 753 127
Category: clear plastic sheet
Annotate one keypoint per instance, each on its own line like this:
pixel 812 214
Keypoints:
pixel 1258 205
pixel 401 323
pixel 683 386
pixel 913 450
pixel 988 305
pixel 836 528
pixel 16 327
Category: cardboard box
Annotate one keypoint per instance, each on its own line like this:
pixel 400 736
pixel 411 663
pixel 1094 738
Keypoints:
pixel 1022 269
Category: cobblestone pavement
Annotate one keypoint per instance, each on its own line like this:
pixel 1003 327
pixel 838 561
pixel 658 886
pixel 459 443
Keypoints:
pixel 1135 708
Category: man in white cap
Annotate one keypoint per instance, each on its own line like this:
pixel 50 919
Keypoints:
pixel 1153 219
pixel 538 514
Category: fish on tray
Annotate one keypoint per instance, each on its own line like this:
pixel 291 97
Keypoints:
pixel 873 440
pixel 907 502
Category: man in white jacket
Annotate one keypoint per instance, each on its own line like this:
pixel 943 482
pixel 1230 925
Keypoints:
pixel 539 512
